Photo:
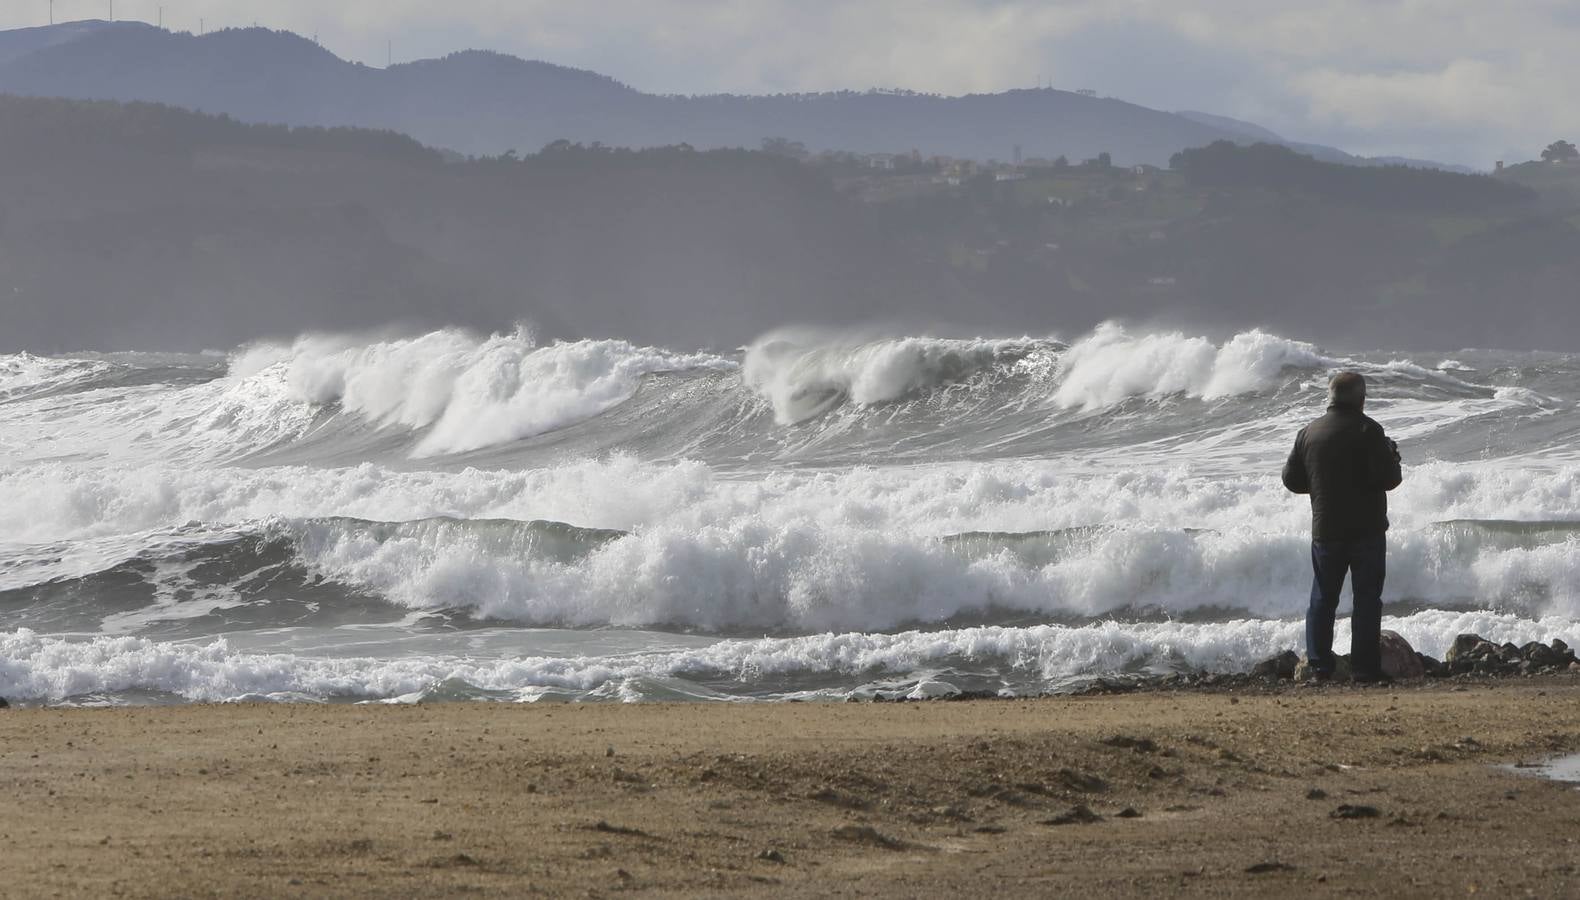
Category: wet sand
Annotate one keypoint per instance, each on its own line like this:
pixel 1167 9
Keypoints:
pixel 1309 791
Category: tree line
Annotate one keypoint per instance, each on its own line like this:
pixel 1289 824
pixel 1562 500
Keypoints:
pixel 1392 188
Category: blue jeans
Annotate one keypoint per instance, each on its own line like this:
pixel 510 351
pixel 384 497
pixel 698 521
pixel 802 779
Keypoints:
pixel 1366 562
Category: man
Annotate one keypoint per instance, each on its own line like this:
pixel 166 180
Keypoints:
pixel 1347 464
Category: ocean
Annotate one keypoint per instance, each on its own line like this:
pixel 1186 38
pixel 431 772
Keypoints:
pixel 818 516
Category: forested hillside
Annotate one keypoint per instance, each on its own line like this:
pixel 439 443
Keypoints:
pixel 141 225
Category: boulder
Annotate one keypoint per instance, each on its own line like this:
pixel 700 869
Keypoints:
pixel 1541 656
pixel 1399 660
pixel 1433 667
pixel 1342 670
pixel 1277 668
pixel 1469 647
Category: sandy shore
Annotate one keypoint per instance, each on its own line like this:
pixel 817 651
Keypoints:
pixel 1233 794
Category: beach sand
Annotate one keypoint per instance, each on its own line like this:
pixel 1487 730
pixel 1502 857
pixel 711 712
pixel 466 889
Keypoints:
pixel 1236 794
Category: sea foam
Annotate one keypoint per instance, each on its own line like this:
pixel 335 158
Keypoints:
pixel 1031 659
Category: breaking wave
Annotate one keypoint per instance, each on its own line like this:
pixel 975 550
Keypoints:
pixel 506 401
pixel 466 392
pixel 681 547
pixel 458 514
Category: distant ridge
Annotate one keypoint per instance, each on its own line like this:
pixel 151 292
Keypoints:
pixel 1321 152
pixel 19 42
pixel 484 103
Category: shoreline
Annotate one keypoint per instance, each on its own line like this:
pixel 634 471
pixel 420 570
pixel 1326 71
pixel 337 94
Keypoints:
pixel 1346 789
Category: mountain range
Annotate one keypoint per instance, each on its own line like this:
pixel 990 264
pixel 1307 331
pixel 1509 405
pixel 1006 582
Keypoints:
pixel 485 103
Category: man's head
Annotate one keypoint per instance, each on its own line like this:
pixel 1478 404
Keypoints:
pixel 1347 389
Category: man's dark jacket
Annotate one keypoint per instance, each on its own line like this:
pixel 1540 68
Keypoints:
pixel 1346 463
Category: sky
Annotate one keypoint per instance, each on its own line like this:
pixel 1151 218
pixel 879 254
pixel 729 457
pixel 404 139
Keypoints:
pixel 1463 81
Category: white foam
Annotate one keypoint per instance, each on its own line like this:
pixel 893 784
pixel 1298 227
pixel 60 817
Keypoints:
pixel 38 668
pixel 468 391
pixel 1524 397
pixel 855 549
pixel 24 373
pixel 1111 365
pixel 801 373
pixel 208 422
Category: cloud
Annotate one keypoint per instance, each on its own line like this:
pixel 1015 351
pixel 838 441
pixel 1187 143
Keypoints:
pixel 1456 79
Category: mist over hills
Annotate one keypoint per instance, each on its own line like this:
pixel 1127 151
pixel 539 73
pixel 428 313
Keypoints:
pixel 484 103
pixel 138 226
pixel 131 225
pixel 149 227
pixel 1249 132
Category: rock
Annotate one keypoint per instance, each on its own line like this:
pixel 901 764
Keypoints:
pixel 1270 866
pixel 1432 667
pixel 1277 668
pixel 1539 655
pixel 1468 647
pixel 1342 670
pixel 3 704
pixel 772 855
pixel 1355 811
pixel 1129 812
pixel 1077 815
pixel 1574 666
pixel 1081 781
pixel 1559 647
pixel 1316 794
pixel 606 828
pixel 866 834
pixel 1399 660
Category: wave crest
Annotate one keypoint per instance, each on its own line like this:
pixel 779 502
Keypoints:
pixel 469 392
pixel 1111 365
pixel 802 375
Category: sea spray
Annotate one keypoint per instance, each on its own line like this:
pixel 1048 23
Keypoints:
pixel 449 514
